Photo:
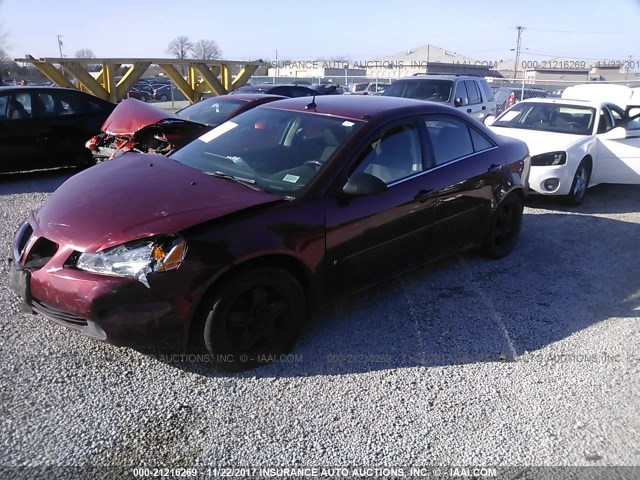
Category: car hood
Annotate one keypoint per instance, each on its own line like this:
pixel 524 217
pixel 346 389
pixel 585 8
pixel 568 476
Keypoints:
pixel 541 142
pixel 138 196
pixel 132 115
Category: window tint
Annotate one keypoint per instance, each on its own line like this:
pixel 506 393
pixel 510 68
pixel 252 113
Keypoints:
pixel 15 107
pixel 617 114
pixel 487 92
pixel 47 105
pixel 480 142
pixel 604 125
pixel 450 138
pixel 461 92
pixel 472 90
pixel 3 107
pixel 393 155
pixel 68 103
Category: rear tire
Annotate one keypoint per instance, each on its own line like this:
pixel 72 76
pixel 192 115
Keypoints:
pixel 580 184
pixel 505 227
pixel 253 319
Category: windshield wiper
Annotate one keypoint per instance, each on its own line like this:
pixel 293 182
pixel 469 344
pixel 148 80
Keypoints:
pixel 249 182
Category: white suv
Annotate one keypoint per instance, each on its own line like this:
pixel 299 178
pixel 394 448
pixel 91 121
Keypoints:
pixel 469 94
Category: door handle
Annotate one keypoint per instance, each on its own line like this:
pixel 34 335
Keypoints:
pixel 469 110
pixel 423 196
pixel 484 107
pixel 493 168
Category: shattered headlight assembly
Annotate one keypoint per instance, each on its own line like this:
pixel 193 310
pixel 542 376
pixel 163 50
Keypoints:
pixel 137 259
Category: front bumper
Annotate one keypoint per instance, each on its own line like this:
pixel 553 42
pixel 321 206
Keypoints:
pixel 538 175
pixel 116 310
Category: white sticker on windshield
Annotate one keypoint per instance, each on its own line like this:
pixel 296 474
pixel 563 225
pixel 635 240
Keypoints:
pixel 509 116
pixel 347 123
pixel 291 178
pixel 216 132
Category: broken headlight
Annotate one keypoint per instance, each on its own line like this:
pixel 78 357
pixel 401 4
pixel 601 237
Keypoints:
pixel 137 259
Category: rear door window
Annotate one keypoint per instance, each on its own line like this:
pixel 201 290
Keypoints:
pixel 472 90
pixel 462 94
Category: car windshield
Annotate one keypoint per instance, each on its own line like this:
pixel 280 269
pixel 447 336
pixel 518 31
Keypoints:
pixel 549 117
pixel 211 111
pixel 277 151
pixel 432 90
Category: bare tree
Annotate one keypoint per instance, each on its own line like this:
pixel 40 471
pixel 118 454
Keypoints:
pixel 206 50
pixel 180 47
pixel 85 53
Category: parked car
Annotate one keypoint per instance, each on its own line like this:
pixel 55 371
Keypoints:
pixel 142 95
pixel 509 96
pixel 168 92
pixel 136 126
pixel 277 89
pixel 471 95
pixel 235 237
pixel 371 88
pixel 574 144
pixel 46 127
pixel 327 88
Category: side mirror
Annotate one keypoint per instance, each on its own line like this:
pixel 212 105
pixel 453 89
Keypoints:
pixel 617 133
pixel 361 184
pixel 458 102
pixel 489 119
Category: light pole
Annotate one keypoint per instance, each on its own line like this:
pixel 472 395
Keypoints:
pixel 515 68
pixel 61 56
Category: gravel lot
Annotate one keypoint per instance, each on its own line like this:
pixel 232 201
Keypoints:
pixel 532 360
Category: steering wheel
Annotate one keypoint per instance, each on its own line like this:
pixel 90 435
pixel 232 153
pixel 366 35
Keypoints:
pixel 315 163
pixel 573 126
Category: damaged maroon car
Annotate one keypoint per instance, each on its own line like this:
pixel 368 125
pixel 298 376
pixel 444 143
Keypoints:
pixel 229 243
pixel 136 126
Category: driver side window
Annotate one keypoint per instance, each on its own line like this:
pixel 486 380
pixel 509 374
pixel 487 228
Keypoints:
pixel 393 155
pixel 605 124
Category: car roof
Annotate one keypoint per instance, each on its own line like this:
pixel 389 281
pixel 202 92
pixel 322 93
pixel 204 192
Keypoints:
pixel 566 101
pixel 440 76
pixel 247 96
pixel 357 107
pixel 35 87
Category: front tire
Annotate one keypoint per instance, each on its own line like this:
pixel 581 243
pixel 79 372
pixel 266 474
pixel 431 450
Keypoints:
pixel 579 185
pixel 253 319
pixel 505 227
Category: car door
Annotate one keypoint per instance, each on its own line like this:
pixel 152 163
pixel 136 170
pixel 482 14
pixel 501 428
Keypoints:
pixel 467 171
pixel 618 149
pixel 475 108
pixel 369 237
pixel 19 142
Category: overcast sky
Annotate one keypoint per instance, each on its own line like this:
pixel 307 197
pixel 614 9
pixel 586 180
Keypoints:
pixel 307 30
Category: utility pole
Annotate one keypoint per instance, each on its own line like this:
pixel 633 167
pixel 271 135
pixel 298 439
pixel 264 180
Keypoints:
pixel 60 49
pixel 515 69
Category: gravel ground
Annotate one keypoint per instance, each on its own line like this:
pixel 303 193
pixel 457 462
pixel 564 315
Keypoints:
pixel 531 360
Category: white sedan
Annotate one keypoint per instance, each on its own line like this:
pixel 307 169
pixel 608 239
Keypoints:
pixel 574 144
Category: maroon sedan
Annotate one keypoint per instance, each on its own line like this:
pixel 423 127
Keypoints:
pixel 227 244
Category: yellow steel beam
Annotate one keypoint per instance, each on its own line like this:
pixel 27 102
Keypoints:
pixel 210 79
pixel 131 76
pixel 105 85
pixel 225 78
pixel 243 76
pixel 179 80
pixel 51 72
pixel 86 79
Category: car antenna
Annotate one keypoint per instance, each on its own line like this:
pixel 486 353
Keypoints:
pixel 312 104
